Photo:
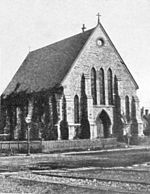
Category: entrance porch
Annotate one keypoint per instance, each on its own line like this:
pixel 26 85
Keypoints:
pixel 102 127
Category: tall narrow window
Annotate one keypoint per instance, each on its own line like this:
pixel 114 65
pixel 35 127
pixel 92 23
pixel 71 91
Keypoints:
pixel 127 108
pixel 133 109
pixel 110 89
pixel 116 99
pixel 76 109
pixel 102 86
pixel 134 125
pixel 116 86
pixel 93 86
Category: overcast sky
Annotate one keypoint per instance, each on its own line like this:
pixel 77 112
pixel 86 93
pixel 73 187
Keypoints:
pixel 33 24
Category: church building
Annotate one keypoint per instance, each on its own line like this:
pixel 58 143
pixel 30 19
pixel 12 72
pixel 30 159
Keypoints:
pixel 78 87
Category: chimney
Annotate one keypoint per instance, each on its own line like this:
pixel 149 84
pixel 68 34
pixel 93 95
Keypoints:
pixel 146 112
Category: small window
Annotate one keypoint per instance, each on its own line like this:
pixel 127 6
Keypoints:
pixel 100 42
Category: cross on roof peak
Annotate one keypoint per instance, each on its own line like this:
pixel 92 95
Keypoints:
pixel 83 28
pixel 98 15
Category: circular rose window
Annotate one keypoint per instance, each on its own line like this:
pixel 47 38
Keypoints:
pixel 100 42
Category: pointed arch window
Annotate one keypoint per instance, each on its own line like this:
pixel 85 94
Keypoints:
pixel 133 109
pixel 110 89
pixel 116 99
pixel 134 125
pixel 116 86
pixel 127 108
pixel 76 109
pixel 93 86
pixel 102 86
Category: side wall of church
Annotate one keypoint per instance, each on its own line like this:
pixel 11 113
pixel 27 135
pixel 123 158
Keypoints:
pixel 105 56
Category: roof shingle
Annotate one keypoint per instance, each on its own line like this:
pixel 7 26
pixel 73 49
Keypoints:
pixel 46 67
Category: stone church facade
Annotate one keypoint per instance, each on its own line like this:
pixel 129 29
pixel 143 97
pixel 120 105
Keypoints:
pixel 110 88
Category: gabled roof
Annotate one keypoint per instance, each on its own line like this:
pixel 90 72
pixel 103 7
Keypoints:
pixel 45 68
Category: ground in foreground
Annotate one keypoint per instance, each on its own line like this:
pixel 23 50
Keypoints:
pixel 99 172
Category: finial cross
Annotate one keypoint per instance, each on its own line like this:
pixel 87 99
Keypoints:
pixel 98 15
pixel 83 28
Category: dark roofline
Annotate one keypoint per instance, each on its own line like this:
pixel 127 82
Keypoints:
pixel 69 55
pixel 92 30
pixel 122 61
pixel 61 40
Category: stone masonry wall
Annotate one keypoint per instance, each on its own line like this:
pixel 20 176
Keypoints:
pixel 105 56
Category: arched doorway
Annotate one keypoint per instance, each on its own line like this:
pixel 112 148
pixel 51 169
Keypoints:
pixel 103 125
